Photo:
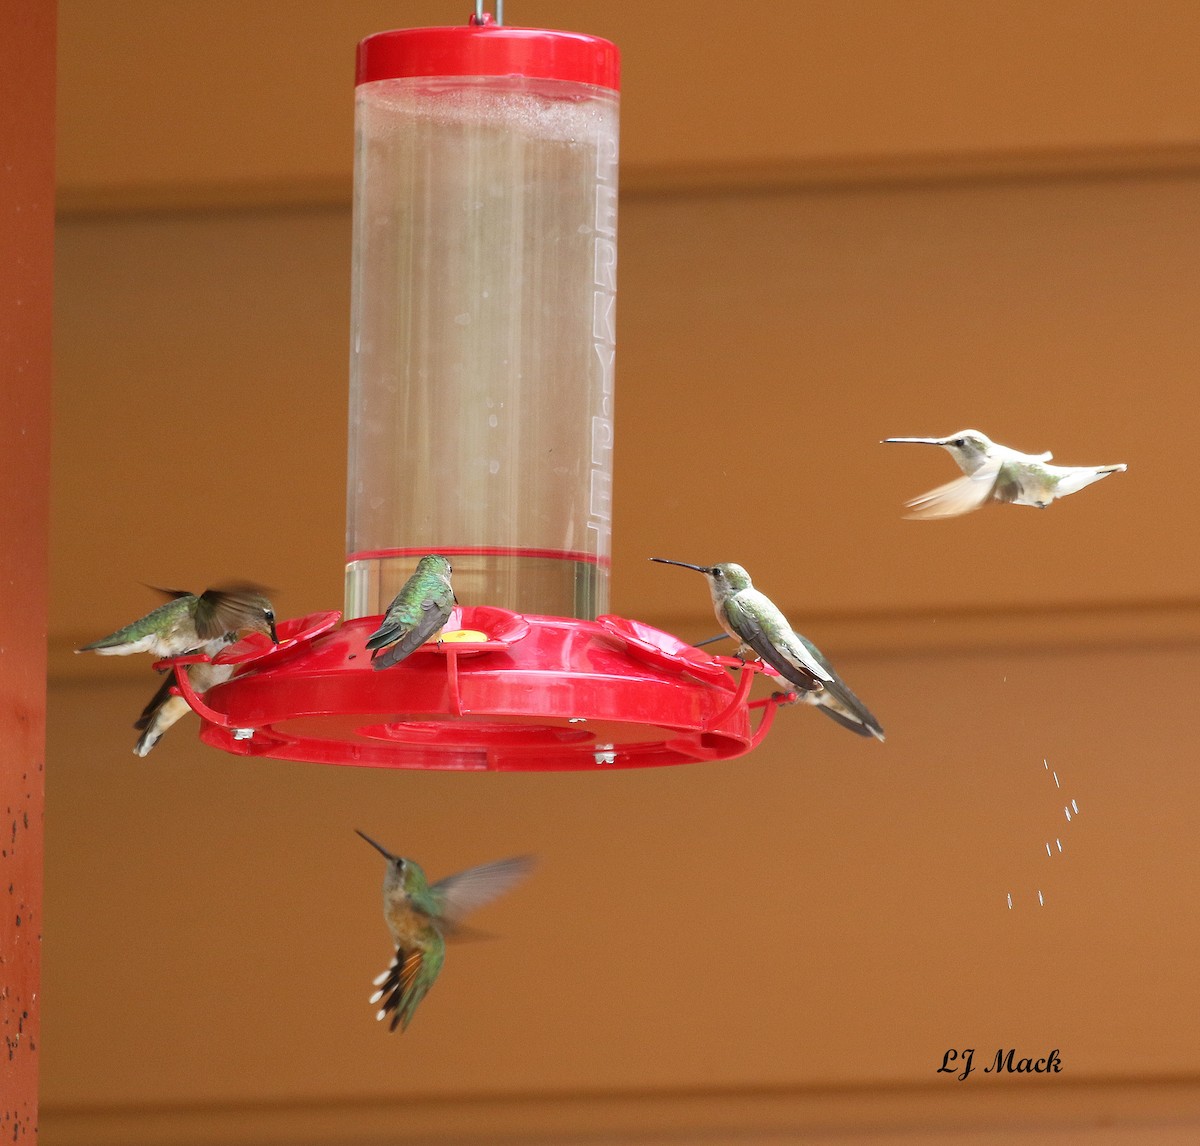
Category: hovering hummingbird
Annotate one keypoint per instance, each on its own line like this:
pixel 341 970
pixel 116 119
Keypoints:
pixel 417 612
pixel 997 473
pixel 422 916
pixel 186 623
pixel 164 710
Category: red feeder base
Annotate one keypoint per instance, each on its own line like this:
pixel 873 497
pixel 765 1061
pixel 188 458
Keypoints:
pixel 497 691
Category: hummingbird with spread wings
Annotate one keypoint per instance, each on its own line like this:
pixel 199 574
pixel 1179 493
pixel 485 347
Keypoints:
pixel 421 916
pixel 992 472
pixel 187 623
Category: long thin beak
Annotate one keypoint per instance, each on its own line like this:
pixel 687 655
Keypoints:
pixel 377 847
pixel 918 441
pixel 681 564
pixel 271 626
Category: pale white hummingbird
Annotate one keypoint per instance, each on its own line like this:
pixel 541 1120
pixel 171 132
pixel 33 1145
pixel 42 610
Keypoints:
pixel 992 472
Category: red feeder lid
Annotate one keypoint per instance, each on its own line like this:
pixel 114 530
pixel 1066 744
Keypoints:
pixel 496 691
pixel 489 49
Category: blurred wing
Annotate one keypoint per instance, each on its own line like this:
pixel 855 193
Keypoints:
pixel 457 896
pixel 405 983
pixel 963 495
pixel 460 933
pixel 170 594
pixel 230 609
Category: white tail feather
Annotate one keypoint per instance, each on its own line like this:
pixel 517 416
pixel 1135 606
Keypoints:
pixel 1076 479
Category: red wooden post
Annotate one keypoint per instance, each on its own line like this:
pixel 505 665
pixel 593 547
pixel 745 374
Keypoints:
pixel 27 44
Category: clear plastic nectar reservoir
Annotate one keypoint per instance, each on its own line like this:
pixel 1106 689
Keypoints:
pixel 483 317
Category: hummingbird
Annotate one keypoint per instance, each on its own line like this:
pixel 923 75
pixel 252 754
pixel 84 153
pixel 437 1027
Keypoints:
pixel 996 473
pixel 422 916
pixel 186 623
pixel 164 710
pixel 753 620
pixel 417 612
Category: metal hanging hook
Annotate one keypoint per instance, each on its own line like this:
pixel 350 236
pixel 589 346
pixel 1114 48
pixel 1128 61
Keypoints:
pixel 481 17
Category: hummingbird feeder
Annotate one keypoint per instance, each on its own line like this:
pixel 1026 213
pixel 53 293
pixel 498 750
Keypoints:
pixel 481 428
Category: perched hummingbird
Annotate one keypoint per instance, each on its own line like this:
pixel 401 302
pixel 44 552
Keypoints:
pixel 186 623
pixel 997 473
pixel 421 917
pixel 753 620
pixel 165 710
pixel 420 609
